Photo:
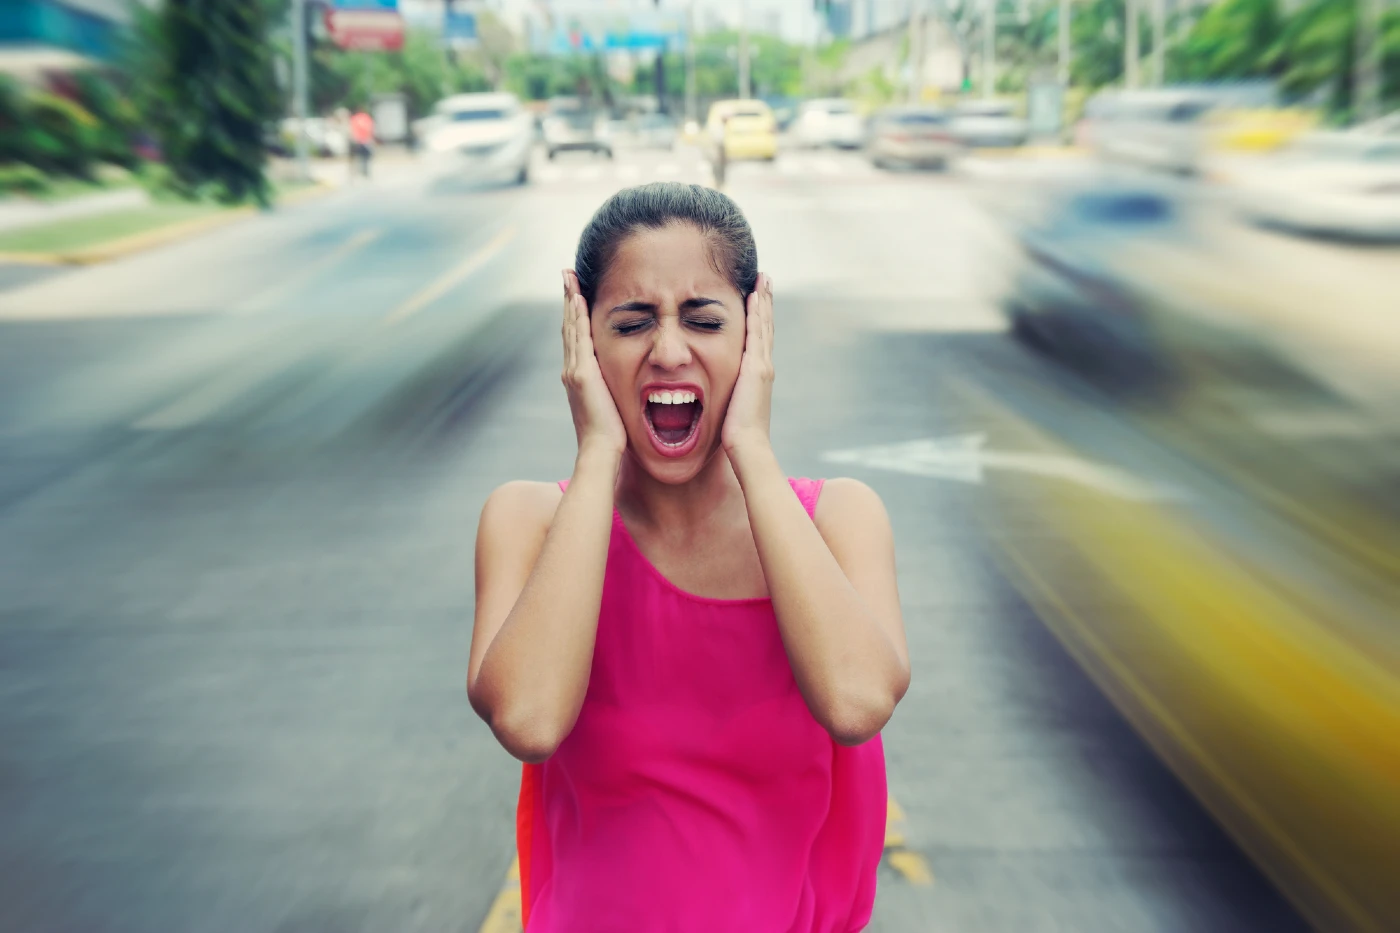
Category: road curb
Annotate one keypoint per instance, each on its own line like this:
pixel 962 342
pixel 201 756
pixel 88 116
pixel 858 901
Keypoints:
pixel 150 239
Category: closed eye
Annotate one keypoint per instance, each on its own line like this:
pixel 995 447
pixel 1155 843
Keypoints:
pixel 706 323
pixel 630 327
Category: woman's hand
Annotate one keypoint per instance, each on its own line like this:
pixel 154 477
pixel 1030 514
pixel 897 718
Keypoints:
pixel 746 420
pixel 596 421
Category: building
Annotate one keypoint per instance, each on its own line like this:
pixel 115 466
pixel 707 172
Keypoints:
pixel 41 36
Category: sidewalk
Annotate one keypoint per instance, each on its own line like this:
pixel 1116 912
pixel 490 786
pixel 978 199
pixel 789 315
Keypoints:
pixel 17 213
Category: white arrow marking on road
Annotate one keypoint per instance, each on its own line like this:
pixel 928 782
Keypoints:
pixel 964 458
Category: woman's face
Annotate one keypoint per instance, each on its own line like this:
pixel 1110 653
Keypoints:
pixel 668 331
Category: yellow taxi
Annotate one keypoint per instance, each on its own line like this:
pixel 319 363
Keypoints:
pixel 745 128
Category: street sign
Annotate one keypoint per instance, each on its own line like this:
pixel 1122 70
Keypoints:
pixel 459 26
pixel 366 30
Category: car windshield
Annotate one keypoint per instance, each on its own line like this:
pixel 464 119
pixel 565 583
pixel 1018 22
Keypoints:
pixel 469 116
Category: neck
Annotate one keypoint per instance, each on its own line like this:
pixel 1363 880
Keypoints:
pixel 711 493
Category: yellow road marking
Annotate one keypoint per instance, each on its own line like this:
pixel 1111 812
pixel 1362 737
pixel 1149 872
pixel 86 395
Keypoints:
pixel 504 915
pixel 449 279
pixel 909 864
pixel 312 269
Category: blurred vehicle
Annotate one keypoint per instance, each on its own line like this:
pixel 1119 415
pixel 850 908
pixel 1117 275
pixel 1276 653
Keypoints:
pixel 1159 129
pixel 324 137
pixel 745 129
pixel 988 124
pixel 916 137
pixel 1068 293
pixel 656 131
pixel 828 122
pixel 1343 185
pixel 492 133
pixel 569 124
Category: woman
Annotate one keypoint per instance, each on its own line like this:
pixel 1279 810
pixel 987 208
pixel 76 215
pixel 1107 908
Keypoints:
pixel 693 654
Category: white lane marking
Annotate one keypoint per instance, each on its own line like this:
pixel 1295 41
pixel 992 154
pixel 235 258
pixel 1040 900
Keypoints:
pixel 549 173
pixel 308 272
pixel 668 169
pixel 449 279
pixel 589 173
pixel 827 166
pixel 627 171
pixel 963 458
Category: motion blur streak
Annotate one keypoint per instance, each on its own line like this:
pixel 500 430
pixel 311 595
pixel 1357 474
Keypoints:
pixel 1123 363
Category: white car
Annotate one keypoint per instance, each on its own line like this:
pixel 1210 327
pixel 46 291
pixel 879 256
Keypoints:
pixel 1330 184
pixel 984 124
pixel 1164 130
pixel 832 122
pixel 490 133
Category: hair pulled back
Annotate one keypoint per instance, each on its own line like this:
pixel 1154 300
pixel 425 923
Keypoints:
pixel 661 204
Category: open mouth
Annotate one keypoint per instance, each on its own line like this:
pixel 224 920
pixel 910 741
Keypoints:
pixel 674 418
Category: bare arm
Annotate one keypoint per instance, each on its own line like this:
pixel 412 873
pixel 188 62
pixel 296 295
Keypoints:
pixel 833 580
pixel 537 616
pixel 834 593
pixel 540 560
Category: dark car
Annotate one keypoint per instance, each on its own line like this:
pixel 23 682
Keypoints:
pixel 571 124
pixel 1074 294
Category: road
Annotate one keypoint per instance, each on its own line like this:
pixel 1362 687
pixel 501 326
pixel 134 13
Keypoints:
pixel 239 481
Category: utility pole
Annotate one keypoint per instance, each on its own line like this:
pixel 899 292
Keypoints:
pixel 744 49
pixel 1130 45
pixel 692 107
pixel 1062 62
pixel 1366 104
pixel 916 50
pixel 299 85
pixel 1159 42
pixel 989 48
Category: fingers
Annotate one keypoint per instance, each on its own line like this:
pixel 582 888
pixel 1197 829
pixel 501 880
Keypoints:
pixel 568 326
pixel 759 335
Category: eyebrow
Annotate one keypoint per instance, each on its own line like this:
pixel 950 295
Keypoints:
pixel 690 304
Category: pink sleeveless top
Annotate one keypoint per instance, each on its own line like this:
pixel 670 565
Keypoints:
pixel 696 792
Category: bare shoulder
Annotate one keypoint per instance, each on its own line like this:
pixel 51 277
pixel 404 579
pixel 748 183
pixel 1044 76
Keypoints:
pixel 518 511
pixel 850 507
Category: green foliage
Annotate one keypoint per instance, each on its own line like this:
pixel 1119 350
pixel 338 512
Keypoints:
pixel 23 179
pixel 118 122
pixel 58 135
pixel 1233 39
pixel 207 88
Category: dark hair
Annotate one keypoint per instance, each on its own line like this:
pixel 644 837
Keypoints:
pixel 719 220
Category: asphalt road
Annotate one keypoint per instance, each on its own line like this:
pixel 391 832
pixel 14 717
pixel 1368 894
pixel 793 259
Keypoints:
pixel 239 481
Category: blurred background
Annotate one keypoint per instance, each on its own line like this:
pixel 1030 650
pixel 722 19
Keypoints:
pixel 1102 296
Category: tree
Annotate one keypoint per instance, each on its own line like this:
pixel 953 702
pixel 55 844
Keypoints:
pixel 207 87
pixel 1233 39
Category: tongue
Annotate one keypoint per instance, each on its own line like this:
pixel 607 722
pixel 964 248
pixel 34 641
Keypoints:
pixel 672 422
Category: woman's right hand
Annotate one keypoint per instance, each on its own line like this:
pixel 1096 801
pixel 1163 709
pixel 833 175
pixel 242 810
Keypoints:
pixel 596 421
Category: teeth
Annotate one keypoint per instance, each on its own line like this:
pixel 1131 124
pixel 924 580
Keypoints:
pixel 671 398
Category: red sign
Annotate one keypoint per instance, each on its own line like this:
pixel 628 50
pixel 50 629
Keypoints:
pixel 366 30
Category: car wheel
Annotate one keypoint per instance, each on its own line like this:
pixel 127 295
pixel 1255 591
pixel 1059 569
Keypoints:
pixel 549 154
pixel 523 176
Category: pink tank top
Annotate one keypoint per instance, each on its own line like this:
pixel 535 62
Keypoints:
pixel 696 792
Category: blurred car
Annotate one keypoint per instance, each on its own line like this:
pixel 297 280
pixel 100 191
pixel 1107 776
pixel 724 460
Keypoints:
pixel 1343 185
pixel 988 124
pixel 657 131
pixel 744 128
pixel 1163 130
pixel 917 137
pixel 492 133
pixel 569 124
pixel 830 122
pixel 1069 292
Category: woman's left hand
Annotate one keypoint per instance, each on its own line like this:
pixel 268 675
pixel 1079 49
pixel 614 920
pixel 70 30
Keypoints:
pixel 746 420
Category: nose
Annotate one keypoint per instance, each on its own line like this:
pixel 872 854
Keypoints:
pixel 669 350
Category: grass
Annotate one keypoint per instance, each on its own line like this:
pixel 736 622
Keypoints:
pixel 78 233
